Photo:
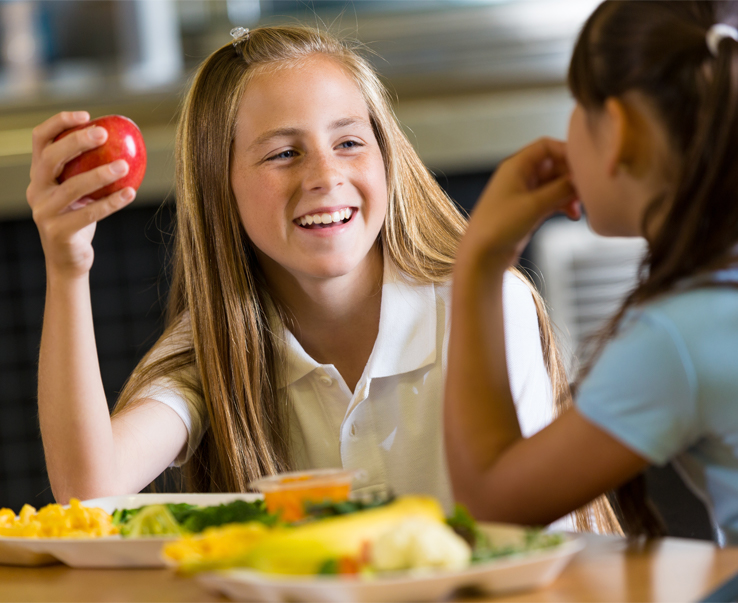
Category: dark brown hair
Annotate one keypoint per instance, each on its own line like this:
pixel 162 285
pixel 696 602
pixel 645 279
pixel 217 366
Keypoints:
pixel 659 49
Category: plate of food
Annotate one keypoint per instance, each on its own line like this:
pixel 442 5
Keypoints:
pixel 402 549
pixel 117 531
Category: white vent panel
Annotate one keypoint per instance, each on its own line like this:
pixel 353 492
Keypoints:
pixel 585 278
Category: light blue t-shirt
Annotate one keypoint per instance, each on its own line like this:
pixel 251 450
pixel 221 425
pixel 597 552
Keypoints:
pixel 667 387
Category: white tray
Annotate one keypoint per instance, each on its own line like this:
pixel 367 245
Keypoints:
pixel 109 551
pixel 524 571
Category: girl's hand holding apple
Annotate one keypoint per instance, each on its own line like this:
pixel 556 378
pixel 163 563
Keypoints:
pixel 62 198
pixel 124 141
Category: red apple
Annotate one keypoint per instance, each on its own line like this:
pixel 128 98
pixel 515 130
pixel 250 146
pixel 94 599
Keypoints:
pixel 124 142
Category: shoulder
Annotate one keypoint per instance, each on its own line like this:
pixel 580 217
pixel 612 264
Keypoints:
pixel 678 337
pixel 702 298
pixel 515 287
pixel 701 325
pixel 519 306
pixel 703 308
pixel 518 303
pixel 176 338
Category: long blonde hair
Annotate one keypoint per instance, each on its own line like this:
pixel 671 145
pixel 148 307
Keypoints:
pixel 217 281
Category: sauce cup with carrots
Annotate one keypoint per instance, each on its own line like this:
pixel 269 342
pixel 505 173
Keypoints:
pixel 287 493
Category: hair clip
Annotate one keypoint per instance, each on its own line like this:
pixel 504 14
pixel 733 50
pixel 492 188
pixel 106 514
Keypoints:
pixel 239 34
pixel 717 33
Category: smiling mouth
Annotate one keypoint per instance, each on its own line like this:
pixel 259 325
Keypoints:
pixel 326 220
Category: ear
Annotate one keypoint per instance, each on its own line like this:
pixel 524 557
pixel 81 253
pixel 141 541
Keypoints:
pixel 615 119
pixel 627 138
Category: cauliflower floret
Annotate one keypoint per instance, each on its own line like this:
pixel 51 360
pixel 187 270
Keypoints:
pixel 420 543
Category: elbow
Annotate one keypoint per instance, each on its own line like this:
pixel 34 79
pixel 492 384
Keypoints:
pixel 503 511
pixel 467 492
pixel 497 498
pixel 64 488
pixel 64 493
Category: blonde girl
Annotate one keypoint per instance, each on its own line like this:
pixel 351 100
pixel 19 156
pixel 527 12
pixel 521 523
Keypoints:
pixel 651 152
pixel 308 313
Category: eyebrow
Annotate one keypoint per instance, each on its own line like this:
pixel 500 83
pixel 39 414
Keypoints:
pixel 278 132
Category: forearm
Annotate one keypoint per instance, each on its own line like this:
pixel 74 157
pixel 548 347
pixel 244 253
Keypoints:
pixel 480 416
pixel 73 411
pixel 495 472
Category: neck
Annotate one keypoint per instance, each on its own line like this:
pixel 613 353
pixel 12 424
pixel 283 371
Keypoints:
pixel 336 320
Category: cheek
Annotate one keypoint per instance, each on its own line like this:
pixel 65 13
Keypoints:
pixel 254 207
pixel 573 151
pixel 582 164
pixel 376 189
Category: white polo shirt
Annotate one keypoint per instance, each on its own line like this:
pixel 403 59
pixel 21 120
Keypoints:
pixel 391 426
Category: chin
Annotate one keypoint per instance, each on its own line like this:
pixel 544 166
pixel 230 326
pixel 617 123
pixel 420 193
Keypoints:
pixel 609 228
pixel 340 262
pixel 331 269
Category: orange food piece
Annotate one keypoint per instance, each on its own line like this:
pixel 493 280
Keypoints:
pixel 348 565
pixel 290 502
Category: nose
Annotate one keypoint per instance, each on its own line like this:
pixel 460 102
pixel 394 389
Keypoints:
pixel 322 172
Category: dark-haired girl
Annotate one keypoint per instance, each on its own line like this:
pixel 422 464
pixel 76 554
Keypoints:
pixel 652 149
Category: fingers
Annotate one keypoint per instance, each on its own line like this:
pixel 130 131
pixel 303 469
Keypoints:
pixel 549 169
pixel 87 183
pixel 64 225
pixel 573 210
pixel 64 212
pixel 539 162
pixel 526 189
pixel 49 157
pixel 99 210
pixel 556 195
pixel 56 155
pixel 542 148
pixel 45 132
pixel 63 196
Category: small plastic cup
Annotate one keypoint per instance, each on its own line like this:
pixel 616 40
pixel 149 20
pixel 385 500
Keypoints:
pixel 287 493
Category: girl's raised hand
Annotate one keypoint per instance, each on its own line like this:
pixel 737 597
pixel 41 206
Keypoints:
pixel 65 218
pixel 526 189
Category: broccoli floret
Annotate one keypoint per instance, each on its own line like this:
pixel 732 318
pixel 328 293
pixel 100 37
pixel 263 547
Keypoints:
pixel 483 549
pixel 239 511
pixel 182 518
pixel 151 520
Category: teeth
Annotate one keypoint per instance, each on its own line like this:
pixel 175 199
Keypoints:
pixel 326 218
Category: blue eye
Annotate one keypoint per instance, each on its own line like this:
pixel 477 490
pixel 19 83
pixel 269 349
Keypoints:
pixel 283 155
pixel 350 144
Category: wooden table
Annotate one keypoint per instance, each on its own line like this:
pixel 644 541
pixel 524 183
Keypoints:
pixel 608 569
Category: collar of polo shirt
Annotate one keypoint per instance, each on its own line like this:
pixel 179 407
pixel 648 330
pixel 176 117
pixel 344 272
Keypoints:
pixel 406 340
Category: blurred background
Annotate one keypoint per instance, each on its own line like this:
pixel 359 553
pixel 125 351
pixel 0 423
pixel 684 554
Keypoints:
pixel 473 80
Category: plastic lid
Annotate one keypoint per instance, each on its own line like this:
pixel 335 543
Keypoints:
pixel 297 480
